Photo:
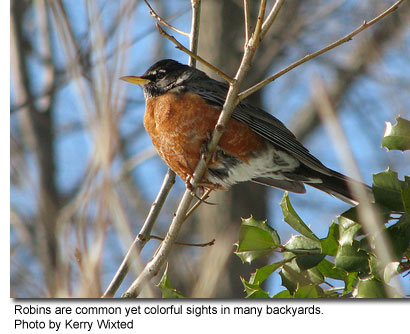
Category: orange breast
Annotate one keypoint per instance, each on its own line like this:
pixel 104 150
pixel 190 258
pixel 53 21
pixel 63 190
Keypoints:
pixel 178 126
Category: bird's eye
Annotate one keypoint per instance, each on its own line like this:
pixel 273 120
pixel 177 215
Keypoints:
pixel 160 74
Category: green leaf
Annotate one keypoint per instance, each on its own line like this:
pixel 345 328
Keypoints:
pixel 328 269
pixel 397 137
pixel 166 288
pixel 293 277
pixel 350 282
pixel 283 294
pixel 256 239
pixel 307 291
pixel 348 229
pixel 400 237
pixel 353 215
pixel 288 280
pixel 405 197
pixel 369 288
pixel 330 244
pixel 307 251
pixel 254 290
pixel 387 190
pixel 263 273
pixel 291 217
pixel 351 259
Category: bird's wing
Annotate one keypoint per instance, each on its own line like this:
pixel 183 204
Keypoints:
pixel 261 122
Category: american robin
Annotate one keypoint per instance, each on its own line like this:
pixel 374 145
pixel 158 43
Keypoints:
pixel 182 108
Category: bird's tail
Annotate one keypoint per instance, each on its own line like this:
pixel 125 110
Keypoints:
pixel 340 186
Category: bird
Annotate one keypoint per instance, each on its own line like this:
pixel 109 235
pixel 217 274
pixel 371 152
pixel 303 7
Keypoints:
pixel 182 107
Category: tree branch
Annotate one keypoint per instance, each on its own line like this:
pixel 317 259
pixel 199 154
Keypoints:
pixel 194 36
pixel 327 48
pixel 143 237
pixel 193 55
pixel 164 22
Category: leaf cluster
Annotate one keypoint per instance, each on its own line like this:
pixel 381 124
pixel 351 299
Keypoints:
pixel 310 265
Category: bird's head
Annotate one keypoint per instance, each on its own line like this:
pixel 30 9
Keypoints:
pixel 162 77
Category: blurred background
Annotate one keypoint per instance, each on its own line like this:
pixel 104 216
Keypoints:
pixel 84 172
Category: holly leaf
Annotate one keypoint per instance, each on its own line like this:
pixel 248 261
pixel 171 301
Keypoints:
pixel 166 288
pixel 330 244
pixel 328 269
pixel 405 196
pixel 400 237
pixel 256 239
pixel 397 136
pixel 352 213
pixel 369 288
pixel 308 291
pixel 351 259
pixel 291 217
pixel 293 276
pixel 387 190
pixel 350 282
pixel 348 229
pixel 254 290
pixel 308 251
pixel 283 294
pixel 263 273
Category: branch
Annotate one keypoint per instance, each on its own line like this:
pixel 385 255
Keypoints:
pixel 194 36
pixel 162 253
pixel 359 62
pixel 247 16
pixel 165 23
pixel 308 57
pixel 193 55
pixel 271 17
pixel 143 236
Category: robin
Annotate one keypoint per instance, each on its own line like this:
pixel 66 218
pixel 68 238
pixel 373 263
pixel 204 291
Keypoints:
pixel 182 108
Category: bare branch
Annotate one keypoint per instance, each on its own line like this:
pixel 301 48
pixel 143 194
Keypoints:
pixel 247 15
pixel 198 58
pixel 271 17
pixel 259 22
pixel 327 48
pixel 194 36
pixel 164 22
pixel 143 236
pixel 205 244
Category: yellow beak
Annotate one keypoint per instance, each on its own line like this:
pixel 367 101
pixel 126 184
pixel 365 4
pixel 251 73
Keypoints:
pixel 135 80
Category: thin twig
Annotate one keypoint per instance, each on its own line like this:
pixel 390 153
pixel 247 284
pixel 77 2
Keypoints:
pixel 194 36
pixel 143 236
pixel 271 17
pixel 152 268
pixel 198 203
pixel 205 244
pixel 259 22
pixel 191 54
pixel 164 22
pixel 247 15
pixel 327 48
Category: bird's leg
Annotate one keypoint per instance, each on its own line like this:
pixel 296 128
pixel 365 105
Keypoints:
pixel 204 148
pixel 200 189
